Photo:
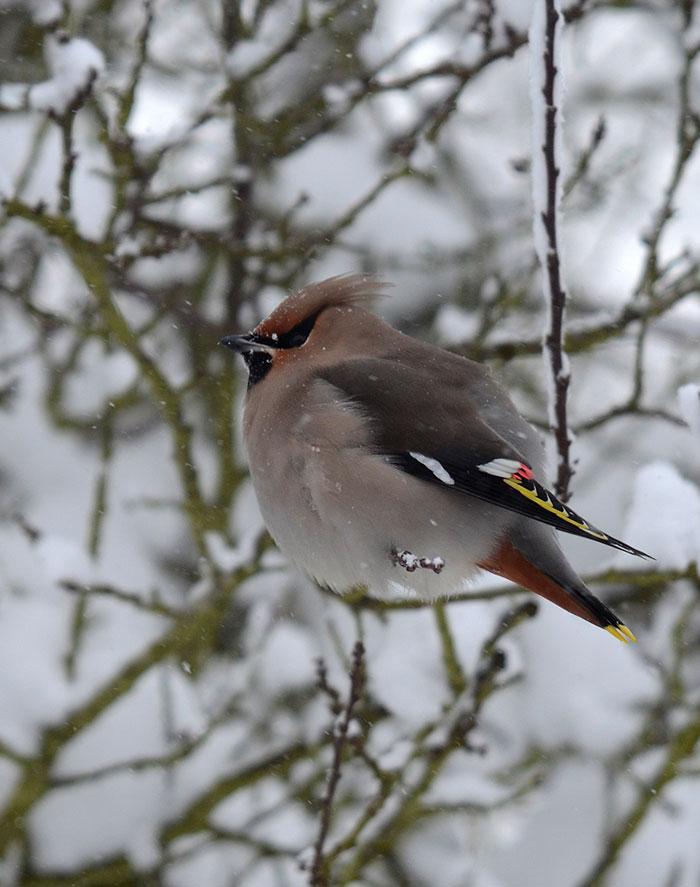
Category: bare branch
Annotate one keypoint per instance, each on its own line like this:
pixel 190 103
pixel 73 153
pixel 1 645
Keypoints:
pixel 319 875
pixel 546 223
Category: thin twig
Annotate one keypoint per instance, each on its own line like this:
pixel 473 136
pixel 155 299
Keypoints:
pixel 681 747
pixel 687 138
pixel 639 579
pixel 65 123
pixel 319 875
pixel 589 334
pixel 433 758
pixel 129 597
pixel 585 157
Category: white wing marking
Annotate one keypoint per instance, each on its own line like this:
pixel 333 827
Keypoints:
pixel 435 467
pixel 500 467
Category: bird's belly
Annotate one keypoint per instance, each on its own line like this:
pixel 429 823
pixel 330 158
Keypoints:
pixel 341 518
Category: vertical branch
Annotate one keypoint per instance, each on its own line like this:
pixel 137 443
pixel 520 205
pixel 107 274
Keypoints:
pixel 319 875
pixel 69 158
pixel 455 673
pixel 79 620
pixel 544 48
pixel 65 123
pixel 243 183
pixel 687 138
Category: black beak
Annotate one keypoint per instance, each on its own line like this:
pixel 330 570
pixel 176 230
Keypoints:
pixel 243 344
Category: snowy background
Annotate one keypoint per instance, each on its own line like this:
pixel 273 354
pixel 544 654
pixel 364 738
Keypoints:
pixel 169 171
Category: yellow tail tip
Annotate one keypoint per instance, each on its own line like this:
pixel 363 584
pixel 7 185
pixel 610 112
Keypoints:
pixel 621 632
pixel 627 633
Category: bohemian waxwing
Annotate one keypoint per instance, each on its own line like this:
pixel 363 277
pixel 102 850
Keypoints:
pixel 382 461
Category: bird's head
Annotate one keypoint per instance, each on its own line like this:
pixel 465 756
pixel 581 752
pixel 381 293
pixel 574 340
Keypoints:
pixel 304 323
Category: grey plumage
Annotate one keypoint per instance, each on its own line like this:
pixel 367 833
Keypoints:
pixel 363 441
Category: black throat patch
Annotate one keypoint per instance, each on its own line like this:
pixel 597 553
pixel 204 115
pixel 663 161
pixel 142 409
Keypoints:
pixel 259 364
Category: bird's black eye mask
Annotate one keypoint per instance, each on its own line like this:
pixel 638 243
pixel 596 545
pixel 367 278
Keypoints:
pixel 257 350
pixel 294 338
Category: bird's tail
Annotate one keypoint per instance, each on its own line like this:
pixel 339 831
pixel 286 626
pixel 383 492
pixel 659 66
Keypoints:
pixel 567 592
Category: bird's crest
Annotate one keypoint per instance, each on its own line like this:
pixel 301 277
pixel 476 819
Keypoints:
pixel 345 289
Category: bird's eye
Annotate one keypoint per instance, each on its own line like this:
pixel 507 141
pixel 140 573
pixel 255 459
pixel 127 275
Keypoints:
pixel 298 335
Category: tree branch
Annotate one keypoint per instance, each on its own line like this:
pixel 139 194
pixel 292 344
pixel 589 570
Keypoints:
pixel 546 173
pixel 319 875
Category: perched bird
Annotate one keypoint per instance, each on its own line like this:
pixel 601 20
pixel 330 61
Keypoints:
pixel 381 461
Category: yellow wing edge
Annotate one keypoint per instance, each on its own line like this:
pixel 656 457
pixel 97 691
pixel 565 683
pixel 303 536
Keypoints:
pixel 555 507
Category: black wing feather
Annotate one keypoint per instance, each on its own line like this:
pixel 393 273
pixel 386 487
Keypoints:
pixel 520 494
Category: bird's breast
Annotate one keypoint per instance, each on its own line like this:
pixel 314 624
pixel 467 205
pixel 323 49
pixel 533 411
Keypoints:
pixel 339 510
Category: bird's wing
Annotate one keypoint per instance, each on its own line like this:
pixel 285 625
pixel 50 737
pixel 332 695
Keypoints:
pixel 509 483
pixel 428 425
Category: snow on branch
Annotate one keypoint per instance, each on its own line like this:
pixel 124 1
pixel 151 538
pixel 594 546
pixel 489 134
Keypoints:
pixel 73 64
pixel 545 88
